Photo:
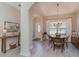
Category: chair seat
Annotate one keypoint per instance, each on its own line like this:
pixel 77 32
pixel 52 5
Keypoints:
pixel 66 41
pixel 58 43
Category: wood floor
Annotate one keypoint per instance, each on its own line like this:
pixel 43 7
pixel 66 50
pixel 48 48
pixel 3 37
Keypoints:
pixel 42 49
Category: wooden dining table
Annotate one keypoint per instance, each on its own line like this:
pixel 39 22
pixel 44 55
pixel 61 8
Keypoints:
pixel 64 37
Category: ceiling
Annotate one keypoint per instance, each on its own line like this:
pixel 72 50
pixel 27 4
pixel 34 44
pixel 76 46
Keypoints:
pixel 14 4
pixel 50 8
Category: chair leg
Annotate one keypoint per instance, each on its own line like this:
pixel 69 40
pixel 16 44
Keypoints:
pixel 54 47
pixel 50 43
pixel 62 48
pixel 66 44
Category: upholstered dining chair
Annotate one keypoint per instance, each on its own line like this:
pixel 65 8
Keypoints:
pixel 66 41
pixel 45 36
pixel 50 40
pixel 57 41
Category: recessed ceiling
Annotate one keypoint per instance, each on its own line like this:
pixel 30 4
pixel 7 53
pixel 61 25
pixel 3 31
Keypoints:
pixel 50 8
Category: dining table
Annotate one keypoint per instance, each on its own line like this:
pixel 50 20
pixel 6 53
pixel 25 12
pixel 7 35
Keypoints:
pixel 64 37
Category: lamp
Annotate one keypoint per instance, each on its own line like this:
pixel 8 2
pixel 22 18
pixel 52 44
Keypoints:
pixel 4 34
pixel 4 30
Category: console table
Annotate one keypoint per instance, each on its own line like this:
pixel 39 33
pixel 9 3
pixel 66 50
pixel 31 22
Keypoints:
pixel 75 41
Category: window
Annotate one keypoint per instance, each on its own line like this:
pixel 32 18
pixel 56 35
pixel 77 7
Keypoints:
pixel 57 27
pixel 37 27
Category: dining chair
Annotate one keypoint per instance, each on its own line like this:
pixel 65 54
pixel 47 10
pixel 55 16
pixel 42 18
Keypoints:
pixel 44 36
pixel 50 40
pixel 58 42
pixel 66 41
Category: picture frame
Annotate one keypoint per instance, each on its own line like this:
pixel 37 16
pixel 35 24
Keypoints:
pixel 11 26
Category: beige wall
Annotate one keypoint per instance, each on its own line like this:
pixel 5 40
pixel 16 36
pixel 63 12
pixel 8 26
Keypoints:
pixel 39 19
pixel 35 14
pixel 8 13
pixel 43 20
pixel 38 14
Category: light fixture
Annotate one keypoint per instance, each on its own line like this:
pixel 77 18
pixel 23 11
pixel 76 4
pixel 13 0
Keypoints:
pixel 58 24
pixel 19 5
pixel 57 10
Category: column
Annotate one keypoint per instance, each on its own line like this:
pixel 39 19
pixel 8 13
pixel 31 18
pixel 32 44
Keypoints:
pixel 26 37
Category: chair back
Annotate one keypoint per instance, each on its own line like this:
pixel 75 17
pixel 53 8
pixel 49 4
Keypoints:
pixel 58 40
pixel 44 34
pixel 58 35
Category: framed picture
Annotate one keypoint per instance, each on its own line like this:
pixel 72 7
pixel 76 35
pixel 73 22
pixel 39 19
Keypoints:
pixel 11 26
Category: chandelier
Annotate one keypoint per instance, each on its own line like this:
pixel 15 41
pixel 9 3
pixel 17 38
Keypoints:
pixel 57 25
